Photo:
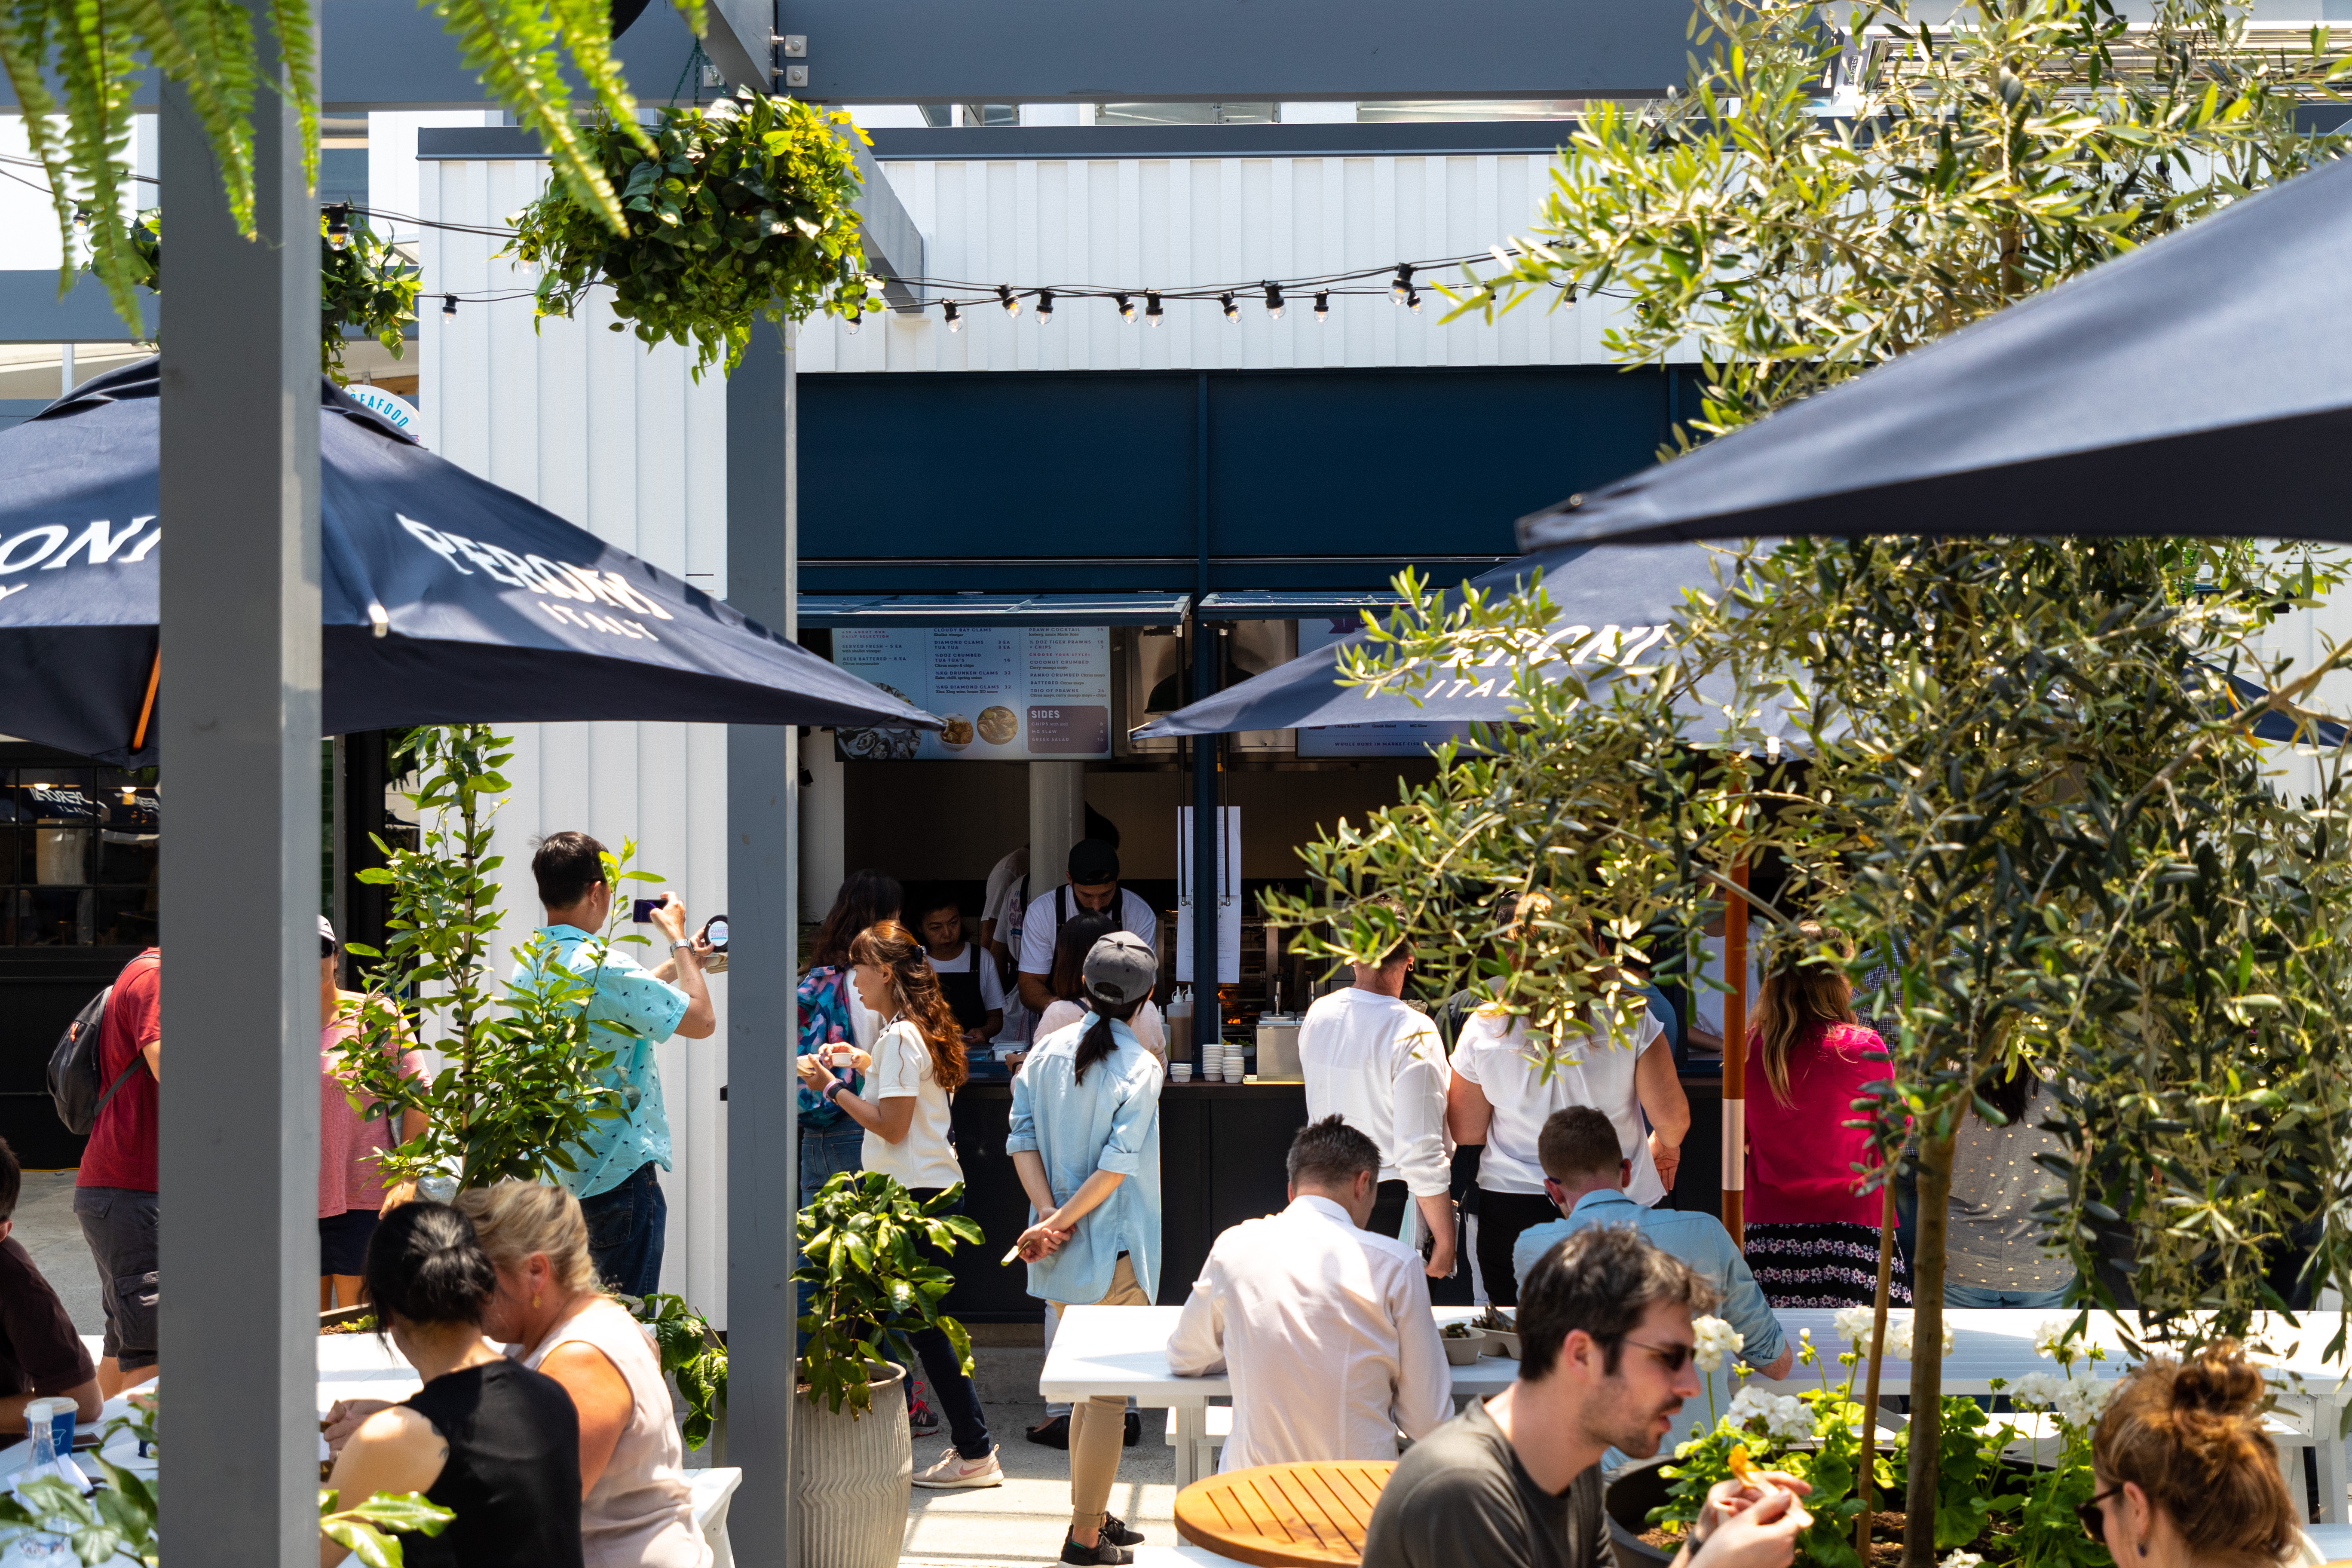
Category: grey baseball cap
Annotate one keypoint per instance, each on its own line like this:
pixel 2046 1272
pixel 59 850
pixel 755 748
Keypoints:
pixel 1120 969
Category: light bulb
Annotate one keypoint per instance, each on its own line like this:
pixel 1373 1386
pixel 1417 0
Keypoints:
pixel 1402 287
pixel 338 224
pixel 955 323
pixel 1044 307
pixel 849 324
pixel 1125 308
pixel 1233 311
pixel 1412 301
pixel 82 220
pixel 1322 307
pixel 1274 301
pixel 1152 309
pixel 449 304
pixel 1011 301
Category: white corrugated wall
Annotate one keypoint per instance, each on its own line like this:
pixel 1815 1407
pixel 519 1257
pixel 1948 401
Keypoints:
pixel 619 440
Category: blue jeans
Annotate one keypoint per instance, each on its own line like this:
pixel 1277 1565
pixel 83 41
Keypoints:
pixel 1985 1295
pixel 625 1226
pixel 823 1152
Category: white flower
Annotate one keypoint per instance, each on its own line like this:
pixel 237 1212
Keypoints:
pixel 1784 1415
pixel 1963 1560
pixel 1898 1338
pixel 2083 1400
pixel 1853 1324
pixel 1746 1406
pixel 2050 1340
pixel 2037 1390
pixel 1716 1340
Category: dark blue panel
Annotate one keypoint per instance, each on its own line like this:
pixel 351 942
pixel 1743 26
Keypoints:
pixel 1080 481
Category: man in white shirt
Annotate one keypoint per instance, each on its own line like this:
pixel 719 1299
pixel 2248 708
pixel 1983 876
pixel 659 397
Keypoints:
pixel 1324 1326
pixel 1373 1059
pixel 1093 885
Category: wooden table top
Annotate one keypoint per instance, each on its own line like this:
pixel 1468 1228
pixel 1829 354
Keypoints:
pixel 1302 1515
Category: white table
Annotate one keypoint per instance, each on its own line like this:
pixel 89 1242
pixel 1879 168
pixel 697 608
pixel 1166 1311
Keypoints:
pixel 1123 1350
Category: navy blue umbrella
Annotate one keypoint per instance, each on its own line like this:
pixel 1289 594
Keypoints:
pixel 444 598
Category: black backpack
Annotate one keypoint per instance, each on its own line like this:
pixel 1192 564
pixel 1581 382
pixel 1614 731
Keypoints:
pixel 74 1068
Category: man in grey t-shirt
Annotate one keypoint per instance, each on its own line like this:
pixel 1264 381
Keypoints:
pixel 1605 1344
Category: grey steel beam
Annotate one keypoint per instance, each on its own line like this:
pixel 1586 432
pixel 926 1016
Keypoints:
pixel 741 41
pixel 894 246
pixel 238 723
pixel 31 311
pixel 1366 139
pixel 946 51
pixel 763 774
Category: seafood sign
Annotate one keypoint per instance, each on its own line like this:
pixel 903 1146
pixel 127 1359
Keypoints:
pixel 1003 693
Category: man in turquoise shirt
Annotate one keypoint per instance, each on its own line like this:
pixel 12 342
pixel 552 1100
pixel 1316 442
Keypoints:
pixel 1585 1171
pixel 619 1193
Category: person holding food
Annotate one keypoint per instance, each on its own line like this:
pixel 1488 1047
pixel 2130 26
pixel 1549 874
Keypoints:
pixel 1093 885
pixel 966 970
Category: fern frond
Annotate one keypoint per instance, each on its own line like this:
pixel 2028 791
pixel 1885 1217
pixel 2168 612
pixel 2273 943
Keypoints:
pixel 586 28
pixel 512 46
pixel 292 19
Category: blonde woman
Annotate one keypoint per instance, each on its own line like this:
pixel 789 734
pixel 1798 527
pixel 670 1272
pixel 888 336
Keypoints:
pixel 1812 1235
pixel 636 1509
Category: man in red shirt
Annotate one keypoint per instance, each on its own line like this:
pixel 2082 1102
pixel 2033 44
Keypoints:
pixel 114 1193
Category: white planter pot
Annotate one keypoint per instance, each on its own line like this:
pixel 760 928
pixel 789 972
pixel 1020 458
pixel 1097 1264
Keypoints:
pixel 852 1479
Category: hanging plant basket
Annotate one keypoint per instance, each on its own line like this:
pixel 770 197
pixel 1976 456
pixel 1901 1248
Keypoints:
pixel 745 210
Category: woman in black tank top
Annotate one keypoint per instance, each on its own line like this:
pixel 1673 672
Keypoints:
pixel 485 1437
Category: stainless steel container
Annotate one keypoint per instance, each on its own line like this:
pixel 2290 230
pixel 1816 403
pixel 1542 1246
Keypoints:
pixel 1277 1047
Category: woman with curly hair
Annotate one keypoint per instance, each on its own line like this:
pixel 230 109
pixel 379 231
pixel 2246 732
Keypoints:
pixel 904 1109
pixel 2183 1475
pixel 1812 1237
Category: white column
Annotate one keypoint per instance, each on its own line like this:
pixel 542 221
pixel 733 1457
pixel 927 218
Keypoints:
pixel 824 834
pixel 1057 819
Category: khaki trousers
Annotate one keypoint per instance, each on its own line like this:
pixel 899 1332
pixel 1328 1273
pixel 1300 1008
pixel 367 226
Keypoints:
pixel 1098 1426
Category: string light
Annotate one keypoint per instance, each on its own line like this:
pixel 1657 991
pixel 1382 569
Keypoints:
pixel 338 224
pixel 1274 301
pixel 449 304
pixel 1233 311
pixel 1044 307
pixel 1401 290
pixel 1152 309
pixel 955 323
pixel 1125 308
pixel 1412 301
pixel 1322 306
pixel 82 220
pixel 1005 297
pixel 849 324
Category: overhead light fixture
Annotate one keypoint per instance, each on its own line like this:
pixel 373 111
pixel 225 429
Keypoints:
pixel 955 323
pixel 1322 306
pixel 1044 307
pixel 1125 308
pixel 1412 301
pixel 338 224
pixel 1403 287
pixel 849 324
pixel 1274 301
pixel 1008 299
pixel 1233 311
pixel 449 304
pixel 1152 309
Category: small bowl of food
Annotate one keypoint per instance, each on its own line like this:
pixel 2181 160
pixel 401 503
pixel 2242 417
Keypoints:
pixel 955 734
pixel 1464 1344
pixel 998 725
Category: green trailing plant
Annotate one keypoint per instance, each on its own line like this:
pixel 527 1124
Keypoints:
pixel 741 211
pixel 74 66
pixel 526 1076
pixel 1964 163
pixel 868 1285
pixel 116 1523
pixel 692 1352
pixel 364 283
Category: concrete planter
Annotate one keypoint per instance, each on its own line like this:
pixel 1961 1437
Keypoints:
pixel 852 1479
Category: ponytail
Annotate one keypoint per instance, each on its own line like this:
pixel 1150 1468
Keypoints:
pixel 1097 1043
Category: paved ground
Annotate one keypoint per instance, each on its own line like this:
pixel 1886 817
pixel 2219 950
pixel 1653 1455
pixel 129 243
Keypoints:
pixel 47 1229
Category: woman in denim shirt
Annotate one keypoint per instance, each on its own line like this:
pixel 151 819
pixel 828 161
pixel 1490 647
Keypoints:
pixel 1084 1137
pixel 831 1015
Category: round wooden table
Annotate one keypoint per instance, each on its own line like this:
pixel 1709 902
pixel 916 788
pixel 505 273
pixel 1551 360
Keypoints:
pixel 1305 1515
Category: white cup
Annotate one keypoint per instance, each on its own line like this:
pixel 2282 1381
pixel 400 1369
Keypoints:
pixel 1182 1072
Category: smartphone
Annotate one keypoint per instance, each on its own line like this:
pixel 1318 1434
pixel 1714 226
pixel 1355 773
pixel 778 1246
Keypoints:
pixel 643 909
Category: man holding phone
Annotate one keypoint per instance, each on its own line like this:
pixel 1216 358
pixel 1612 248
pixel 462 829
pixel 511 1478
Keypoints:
pixel 619 1193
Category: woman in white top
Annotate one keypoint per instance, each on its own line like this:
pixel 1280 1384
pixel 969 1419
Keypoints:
pixel 918 1064
pixel 637 1510
pixel 1077 938
pixel 1500 1096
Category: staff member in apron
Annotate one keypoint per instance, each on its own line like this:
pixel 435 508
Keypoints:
pixel 967 972
pixel 1093 885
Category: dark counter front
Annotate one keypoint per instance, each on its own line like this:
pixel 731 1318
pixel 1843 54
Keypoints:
pixel 1221 1148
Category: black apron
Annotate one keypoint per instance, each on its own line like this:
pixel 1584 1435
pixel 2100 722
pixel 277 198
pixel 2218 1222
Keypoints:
pixel 962 989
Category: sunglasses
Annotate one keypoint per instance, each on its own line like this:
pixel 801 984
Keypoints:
pixel 1673 1358
pixel 2094 1517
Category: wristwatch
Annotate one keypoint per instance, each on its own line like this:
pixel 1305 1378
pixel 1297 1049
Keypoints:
pixel 834 1089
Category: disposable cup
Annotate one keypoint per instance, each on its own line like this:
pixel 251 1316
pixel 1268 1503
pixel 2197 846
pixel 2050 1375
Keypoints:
pixel 1182 1072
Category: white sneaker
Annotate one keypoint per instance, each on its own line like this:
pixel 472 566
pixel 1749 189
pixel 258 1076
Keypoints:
pixel 954 1470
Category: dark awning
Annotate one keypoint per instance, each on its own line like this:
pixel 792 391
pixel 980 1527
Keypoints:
pixel 993 609
pixel 1295 604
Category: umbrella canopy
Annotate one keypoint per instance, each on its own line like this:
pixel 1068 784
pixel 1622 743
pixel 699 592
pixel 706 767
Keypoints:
pixel 444 599
pixel 1614 602
pixel 2199 386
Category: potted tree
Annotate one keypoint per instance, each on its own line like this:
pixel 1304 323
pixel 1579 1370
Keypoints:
pixel 868 1285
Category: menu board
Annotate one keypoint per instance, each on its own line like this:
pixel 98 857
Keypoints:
pixel 1408 739
pixel 1008 693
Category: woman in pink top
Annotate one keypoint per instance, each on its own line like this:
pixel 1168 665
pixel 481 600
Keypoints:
pixel 1812 1235
pixel 350 1184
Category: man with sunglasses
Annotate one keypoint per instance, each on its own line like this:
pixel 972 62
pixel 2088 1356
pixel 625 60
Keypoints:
pixel 1586 1175
pixel 1605 1344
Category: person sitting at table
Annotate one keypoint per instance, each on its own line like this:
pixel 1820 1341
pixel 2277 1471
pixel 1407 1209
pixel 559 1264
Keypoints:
pixel 1585 1175
pixel 41 1356
pixel 636 1509
pixel 1605 1349
pixel 2183 1475
pixel 485 1437
pixel 1085 1139
pixel 1076 939
pixel 967 971
pixel 1504 1084
pixel 1324 1326
pixel 1812 1235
